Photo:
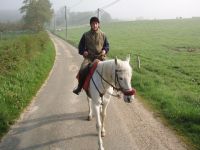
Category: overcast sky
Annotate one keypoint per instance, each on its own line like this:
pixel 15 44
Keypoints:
pixel 125 9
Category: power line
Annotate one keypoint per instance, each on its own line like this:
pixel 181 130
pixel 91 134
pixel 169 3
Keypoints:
pixel 99 10
pixel 76 4
pixel 110 4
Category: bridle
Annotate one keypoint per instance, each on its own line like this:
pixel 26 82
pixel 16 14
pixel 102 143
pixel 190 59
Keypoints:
pixel 126 92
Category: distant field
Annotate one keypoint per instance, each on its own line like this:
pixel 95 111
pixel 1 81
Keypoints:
pixel 169 78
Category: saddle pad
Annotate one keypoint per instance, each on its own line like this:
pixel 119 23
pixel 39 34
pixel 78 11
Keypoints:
pixel 89 76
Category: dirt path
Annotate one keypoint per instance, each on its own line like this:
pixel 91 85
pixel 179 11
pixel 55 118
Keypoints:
pixel 56 119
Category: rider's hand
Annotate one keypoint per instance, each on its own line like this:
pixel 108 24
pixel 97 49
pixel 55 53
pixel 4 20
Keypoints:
pixel 103 52
pixel 85 53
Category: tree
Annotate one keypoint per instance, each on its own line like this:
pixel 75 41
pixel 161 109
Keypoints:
pixel 36 13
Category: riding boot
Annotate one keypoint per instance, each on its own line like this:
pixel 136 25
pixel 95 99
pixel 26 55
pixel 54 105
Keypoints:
pixel 78 89
pixel 82 76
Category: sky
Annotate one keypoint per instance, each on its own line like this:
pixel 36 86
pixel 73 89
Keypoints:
pixel 125 9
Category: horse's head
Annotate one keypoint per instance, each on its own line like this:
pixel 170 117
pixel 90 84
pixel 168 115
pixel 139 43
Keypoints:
pixel 123 74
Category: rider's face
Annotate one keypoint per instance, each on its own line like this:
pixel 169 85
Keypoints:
pixel 94 26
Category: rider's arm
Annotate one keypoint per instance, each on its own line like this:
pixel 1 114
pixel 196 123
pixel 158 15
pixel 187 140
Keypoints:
pixel 81 46
pixel 106 45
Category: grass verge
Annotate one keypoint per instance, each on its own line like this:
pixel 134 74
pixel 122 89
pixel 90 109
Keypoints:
pixel 25 63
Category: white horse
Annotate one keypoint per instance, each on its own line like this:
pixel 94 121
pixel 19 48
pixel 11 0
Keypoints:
pixel 110 74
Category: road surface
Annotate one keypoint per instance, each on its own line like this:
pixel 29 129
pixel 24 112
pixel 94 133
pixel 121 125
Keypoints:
pixel 57 119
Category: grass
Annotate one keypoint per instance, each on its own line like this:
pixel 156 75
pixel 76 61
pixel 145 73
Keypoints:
pixel 25 62
pixel 169 78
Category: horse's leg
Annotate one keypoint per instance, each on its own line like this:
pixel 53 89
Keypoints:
pixel 106 100
pixel 90 108
pixel 98 119
pixel 103 115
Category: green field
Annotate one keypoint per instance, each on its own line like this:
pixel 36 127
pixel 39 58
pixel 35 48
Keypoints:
pixel 169 77
pixel 25 62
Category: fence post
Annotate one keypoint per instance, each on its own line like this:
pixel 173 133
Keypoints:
pixel 0 36
pixel 138 61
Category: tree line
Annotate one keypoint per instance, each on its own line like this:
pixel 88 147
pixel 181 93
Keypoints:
pixel 38 14
pixel 10 26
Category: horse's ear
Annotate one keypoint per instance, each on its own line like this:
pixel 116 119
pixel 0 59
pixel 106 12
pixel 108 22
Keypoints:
pixel 128 57
pixel 115 60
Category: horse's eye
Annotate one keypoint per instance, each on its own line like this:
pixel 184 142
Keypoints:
pixel 120 78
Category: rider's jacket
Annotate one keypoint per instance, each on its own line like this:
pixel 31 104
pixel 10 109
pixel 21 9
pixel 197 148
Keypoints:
pixel 93 42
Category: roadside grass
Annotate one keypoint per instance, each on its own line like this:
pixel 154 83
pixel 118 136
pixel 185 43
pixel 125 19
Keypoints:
pixel 169 77
pixel 25 62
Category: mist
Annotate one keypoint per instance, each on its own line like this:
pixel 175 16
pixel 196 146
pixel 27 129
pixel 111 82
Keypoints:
pixel 123 9
pixel 133 9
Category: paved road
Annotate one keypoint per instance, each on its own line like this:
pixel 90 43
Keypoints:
pixel 56 119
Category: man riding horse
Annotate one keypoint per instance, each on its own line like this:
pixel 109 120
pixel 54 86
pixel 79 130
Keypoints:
pixel 93 45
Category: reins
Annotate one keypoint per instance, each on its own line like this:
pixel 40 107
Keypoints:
pixel 116 81
pixel 114 87
pixel 126 92
pixel 102 94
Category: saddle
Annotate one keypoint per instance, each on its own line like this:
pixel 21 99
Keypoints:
pixel 89 75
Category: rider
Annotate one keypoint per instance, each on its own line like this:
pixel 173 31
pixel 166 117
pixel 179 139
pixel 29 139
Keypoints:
pixel 93 45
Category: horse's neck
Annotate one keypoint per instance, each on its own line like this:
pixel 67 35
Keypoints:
pixel 108 70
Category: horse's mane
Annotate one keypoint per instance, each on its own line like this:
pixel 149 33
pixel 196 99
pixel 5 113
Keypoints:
pixel 121 65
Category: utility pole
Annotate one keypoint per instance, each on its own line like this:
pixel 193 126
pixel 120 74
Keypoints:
pixel 54 23
pixel 98 13
pixel 66 20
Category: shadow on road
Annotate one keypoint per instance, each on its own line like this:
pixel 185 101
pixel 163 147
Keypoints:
pixel 15 142
pixel 28 125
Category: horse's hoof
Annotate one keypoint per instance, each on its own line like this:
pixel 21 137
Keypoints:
pixel 89 118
